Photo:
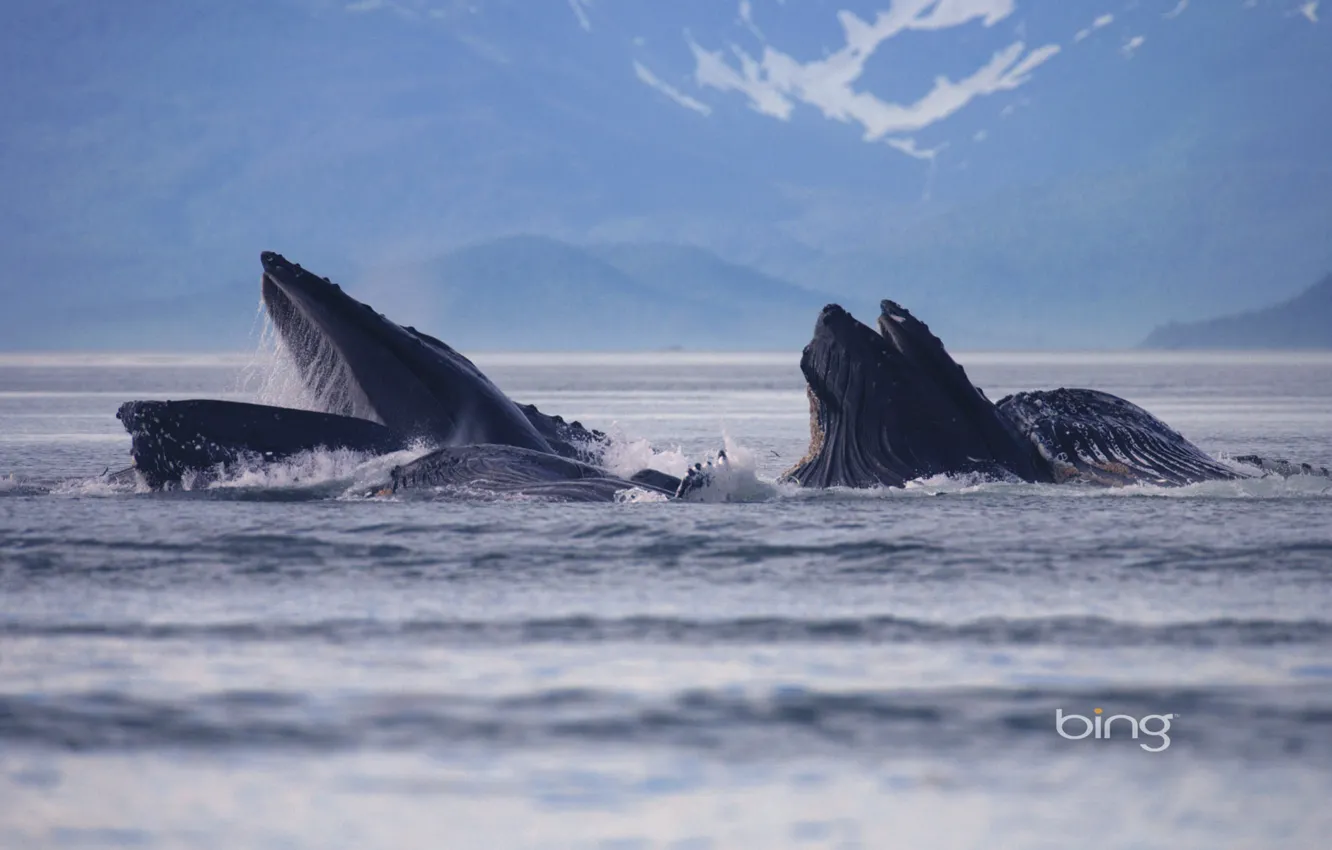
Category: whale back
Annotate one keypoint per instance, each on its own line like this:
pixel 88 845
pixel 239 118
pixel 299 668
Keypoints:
pixel 1099 438
pixel 498 472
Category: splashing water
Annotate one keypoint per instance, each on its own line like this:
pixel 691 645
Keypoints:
pixel 732 476
pixel 99 485
pixel 273 376
pixel 340 471
pixel 637 495
pixel 624 455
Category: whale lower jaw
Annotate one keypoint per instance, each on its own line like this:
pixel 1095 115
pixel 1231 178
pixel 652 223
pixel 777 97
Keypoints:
pixel 202 437
pixel 374 386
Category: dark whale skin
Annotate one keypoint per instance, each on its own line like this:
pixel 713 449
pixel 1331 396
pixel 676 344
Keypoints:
pixel 171 438
pixel 490 471
pixel 1098 438
pixel 891 406
pixel 381 386
pixel 361 364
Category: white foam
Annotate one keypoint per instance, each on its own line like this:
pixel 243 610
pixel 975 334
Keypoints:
pixel 732 476
pixel 934 485
pixel 625 455
pixel 637 495
pixel 975 485
pixel 1270 487
pixel 337 469
pixel 100 485
pixel 271 375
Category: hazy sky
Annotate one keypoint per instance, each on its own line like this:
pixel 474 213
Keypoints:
pixel 1051 151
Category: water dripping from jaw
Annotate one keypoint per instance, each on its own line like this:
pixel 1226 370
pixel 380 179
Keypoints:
pixel 274 376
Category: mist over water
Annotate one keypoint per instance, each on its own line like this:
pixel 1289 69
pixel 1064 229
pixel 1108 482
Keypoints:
pixel 275 660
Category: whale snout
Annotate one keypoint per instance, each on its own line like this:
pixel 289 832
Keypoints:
pixel 274 263
pixel 832 317
pixel 838 330
pixel 834 361
pixel 296 282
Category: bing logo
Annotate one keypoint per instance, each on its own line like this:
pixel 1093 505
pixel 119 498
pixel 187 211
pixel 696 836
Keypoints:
pixel 1102 728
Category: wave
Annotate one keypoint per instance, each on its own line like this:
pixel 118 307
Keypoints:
pixel 310 475
pixel 624 455
pixel 12 485
pixel 1249 722
pixel 736 479
pixel 733 477
pixel 1060 631
pixel 337 472
pixel 1272 487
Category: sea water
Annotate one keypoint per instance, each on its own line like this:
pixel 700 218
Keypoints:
pixel 276 661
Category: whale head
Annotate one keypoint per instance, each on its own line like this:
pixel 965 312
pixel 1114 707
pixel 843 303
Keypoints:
pixel 889 405
pixel 354 361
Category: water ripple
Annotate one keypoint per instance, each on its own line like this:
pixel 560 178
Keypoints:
pixel 1096 632
pixel 768 723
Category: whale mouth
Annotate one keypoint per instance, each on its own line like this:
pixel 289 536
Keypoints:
pixel 302 311
pixel 834 361
pixel 888 405
pixel 354 361
pixel 841 365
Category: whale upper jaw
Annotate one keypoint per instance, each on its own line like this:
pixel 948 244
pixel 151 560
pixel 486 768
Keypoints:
pixel 355 362
pixel 833 360
pixel 890 405
pixel 340 346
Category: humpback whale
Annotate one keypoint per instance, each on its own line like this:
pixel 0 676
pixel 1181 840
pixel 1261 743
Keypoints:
pixel 171 438
pixel 892 405
pixel 1099 438
pixel 381 387
pixel 496 471
pixel 358 363
pixel 889 406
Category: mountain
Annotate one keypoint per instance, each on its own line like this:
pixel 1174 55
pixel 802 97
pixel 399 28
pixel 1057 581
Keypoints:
pixel 538 293
pixel 1085 260
pixel 695 273
pixel 1304 321
pixel 511 293
pixel 1019 173
pixel 219 318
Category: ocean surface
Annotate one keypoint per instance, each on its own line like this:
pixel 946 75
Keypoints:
pixel 277 662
